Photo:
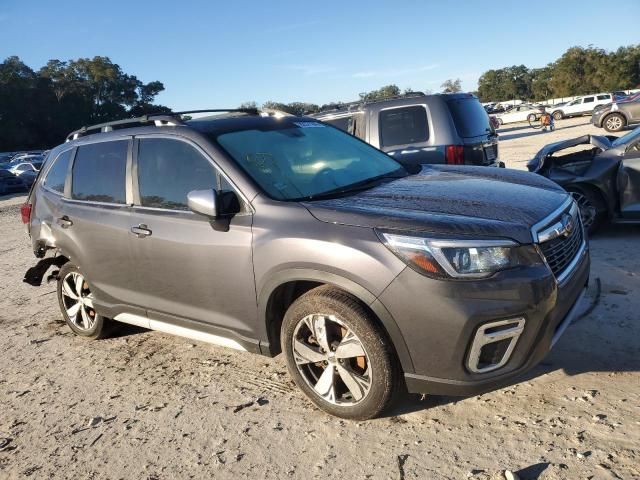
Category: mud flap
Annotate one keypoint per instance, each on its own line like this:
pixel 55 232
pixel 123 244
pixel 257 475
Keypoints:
pixel 35 274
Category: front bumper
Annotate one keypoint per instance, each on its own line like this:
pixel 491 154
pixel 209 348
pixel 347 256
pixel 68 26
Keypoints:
pixel 596 119
pixel 439 320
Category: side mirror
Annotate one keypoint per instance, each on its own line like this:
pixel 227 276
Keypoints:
pixel 204 202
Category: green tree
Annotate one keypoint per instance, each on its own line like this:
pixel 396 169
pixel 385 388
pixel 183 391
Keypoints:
pixel 451 86
pixel 37 109
pixel 381 93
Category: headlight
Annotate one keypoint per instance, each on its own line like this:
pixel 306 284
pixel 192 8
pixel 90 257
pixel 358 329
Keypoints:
pixel 457 258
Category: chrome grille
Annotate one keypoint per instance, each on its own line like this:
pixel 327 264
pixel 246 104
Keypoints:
pixel 562 240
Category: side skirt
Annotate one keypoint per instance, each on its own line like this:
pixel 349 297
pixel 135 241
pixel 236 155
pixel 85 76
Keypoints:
pixel 165 327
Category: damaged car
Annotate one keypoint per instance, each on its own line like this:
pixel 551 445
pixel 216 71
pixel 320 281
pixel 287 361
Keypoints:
pixel 289 236
pixel 601 172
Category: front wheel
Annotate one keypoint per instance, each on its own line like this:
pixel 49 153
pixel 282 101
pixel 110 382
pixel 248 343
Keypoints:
pixel 592 208
pixel 338 356
pixel 76 304
pixel 558 115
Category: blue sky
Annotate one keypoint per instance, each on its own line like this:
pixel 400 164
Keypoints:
pixel 221 53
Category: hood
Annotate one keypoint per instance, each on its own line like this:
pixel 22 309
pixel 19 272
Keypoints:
pixel 537 162
pixel 479 202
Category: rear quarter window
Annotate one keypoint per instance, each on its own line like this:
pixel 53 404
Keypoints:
pixel 470 119
pixel 403 126
pixel 57 174
pixel 99 171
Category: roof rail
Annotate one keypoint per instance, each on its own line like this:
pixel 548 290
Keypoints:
pixel 158 119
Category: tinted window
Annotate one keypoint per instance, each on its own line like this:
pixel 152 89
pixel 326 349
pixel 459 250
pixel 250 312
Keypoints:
pixel 99 172
pixel 403 126
pixel 58 172
pixel 470 118
pixel 168 170
pixel 604 97
pixel 589 100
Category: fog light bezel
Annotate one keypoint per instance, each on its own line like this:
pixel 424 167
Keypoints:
pixel 482 338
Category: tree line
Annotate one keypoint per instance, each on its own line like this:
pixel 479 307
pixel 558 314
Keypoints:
pixel 39 108
pixel 579 71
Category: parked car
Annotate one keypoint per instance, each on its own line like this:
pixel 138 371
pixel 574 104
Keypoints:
pixel 519 113
pixel 613 117
pixel 27 171
pixel 21 159
pixel 581 106
pixel 422 129
pixel 289 235
pixel 604 179
pixel 5 157
pixel 10 183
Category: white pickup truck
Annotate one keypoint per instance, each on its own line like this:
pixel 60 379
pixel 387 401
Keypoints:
pixel 580 106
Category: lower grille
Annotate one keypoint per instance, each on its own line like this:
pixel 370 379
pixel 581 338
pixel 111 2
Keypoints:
pixel 562 241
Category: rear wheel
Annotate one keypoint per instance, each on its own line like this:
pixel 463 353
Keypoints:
pixel 337 355
pixel 76 304
pixel 557 115
pixel 614 122
pixel 592 207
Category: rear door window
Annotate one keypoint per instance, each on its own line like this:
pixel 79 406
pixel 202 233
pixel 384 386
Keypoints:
pixel 169 169
pixel 604 97
pixel 470 119
pixel 403 126
pixel 57 174
pixel 589 100
pixel 99 172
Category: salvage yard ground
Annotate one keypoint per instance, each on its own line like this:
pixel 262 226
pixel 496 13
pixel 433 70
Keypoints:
pixel 145 405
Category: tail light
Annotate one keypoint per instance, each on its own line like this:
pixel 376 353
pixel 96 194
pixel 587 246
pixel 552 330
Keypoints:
pixel 455 154
pixel 25 212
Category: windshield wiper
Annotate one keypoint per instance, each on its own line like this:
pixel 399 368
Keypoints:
pixel 355 187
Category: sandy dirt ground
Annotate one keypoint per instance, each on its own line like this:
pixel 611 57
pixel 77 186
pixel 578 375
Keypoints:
pixel 144 405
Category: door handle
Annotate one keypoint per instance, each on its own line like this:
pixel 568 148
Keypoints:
pixel 64 222
pixel 141 231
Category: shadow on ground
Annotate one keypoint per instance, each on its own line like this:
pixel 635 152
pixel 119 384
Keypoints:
pixel 528 131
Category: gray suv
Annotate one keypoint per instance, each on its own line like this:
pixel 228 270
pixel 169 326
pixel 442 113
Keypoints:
pixel 288 235
pixel 415 128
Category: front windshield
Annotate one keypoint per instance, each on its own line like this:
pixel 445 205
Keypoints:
pixel 629 137
pixel 305 159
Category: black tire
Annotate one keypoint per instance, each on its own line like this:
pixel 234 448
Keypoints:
pixel 532 117
pixel 381 363
pixel 593 210
pixel 614 122
pixel 100 327
pixel 500 122
pixel 557 115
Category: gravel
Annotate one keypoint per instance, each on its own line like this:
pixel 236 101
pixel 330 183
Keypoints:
pixel 151 406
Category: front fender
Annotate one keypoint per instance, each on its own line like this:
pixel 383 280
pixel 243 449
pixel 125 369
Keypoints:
pixel 350 286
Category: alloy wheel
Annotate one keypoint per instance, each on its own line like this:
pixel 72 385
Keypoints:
pixel 78 301
pixel 588 211
pixel 331 359
pixel 614 123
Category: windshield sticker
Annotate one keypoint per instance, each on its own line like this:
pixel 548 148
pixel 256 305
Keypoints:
pixel 308 124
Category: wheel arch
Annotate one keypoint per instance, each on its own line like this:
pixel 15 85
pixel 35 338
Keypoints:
pixel 597 190
pixel 286 286
pixel 616 112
